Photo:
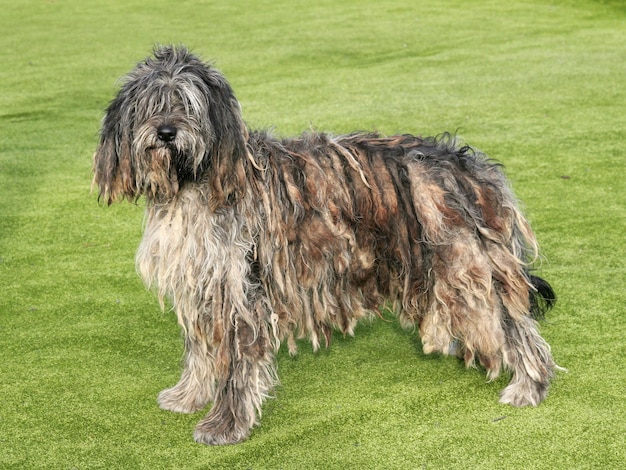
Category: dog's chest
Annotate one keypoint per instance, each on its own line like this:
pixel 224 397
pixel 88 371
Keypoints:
pixel 186 248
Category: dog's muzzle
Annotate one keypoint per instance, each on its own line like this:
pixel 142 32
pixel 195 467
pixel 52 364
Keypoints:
pixel 166 133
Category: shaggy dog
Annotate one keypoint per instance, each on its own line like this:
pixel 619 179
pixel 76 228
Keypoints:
pixel 257 241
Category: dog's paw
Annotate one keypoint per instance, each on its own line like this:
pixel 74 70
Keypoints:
pixel 524 393
pixel 216 432
pixel 179 400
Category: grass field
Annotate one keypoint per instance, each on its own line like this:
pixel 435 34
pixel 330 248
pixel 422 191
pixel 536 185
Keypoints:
pixel 538 85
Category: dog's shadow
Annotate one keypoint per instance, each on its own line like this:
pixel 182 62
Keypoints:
pixel 380 353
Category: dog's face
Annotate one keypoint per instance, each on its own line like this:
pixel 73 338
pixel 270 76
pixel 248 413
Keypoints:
pixel 175 120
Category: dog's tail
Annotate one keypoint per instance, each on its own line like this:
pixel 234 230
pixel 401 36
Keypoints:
pixel 542 296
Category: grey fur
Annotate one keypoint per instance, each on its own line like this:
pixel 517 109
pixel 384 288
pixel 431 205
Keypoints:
pixel 258 241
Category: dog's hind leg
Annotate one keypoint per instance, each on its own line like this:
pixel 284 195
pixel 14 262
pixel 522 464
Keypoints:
pixel 464 312
pixel 528 355
pixel 525 352
pixel 197 383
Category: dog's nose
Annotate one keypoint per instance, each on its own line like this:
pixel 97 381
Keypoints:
pixel 166 133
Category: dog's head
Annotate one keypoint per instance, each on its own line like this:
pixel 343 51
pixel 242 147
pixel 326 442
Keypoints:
pixel 175 120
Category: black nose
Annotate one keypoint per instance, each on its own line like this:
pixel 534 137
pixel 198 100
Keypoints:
pixel 166 133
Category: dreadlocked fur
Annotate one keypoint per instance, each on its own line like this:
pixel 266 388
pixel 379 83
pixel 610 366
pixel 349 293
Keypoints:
pixel 258 241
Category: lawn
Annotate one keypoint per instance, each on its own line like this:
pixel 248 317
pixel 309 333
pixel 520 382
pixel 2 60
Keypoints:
pixel 538 85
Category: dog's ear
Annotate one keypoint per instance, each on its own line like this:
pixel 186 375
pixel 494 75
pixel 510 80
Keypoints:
pixel 112 164
pixel 227 157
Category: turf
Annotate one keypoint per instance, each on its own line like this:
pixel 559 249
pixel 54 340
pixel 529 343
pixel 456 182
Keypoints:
pixel 538 85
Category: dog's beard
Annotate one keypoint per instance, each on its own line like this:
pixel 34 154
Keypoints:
pixel 167 165
pixel 161 178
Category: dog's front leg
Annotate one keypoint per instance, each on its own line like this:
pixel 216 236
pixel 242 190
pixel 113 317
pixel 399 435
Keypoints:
pixel 196 386
pixel 247 380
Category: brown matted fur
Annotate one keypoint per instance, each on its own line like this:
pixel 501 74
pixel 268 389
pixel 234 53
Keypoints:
pixel 258 241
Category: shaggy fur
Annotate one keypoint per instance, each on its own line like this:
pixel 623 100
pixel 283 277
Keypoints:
pixel 258 241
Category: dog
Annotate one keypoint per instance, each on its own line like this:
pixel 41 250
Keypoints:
pixel 258 241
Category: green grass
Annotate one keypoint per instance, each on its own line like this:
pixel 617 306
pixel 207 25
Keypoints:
pixel 540 86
